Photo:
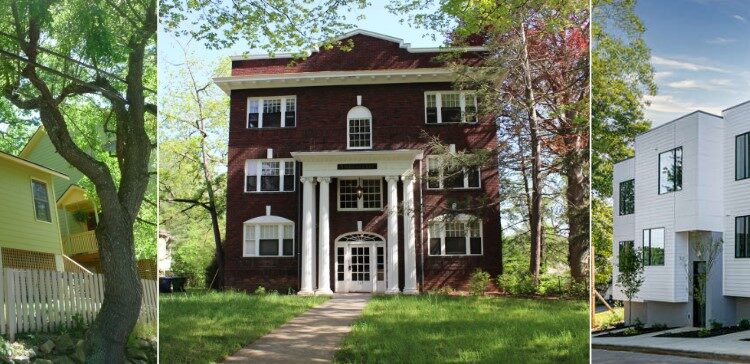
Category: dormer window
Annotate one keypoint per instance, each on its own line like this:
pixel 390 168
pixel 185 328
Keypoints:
pixel 271 112
pixel 450 107
pixel 359 128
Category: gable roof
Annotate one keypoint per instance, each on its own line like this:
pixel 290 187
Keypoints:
pixel 33 142
pixel 32 165
pixel 366 33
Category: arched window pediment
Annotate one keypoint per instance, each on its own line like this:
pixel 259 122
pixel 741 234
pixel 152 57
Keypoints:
pixel 269 219
pixel 360 236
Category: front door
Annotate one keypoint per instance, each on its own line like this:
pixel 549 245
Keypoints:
pixel 359 269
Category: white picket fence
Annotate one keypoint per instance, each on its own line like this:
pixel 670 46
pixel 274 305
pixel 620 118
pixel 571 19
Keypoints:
pixel 44 301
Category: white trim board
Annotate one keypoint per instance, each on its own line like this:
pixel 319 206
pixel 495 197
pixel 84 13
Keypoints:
pixel 334 78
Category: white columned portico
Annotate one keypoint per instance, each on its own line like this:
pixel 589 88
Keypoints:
pixel 308 234
pixel 410 240
pixel 392 260
pixel 324 239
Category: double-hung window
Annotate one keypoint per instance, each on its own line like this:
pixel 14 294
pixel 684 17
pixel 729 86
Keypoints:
pixel 455 237
pixel 271 112
pixel 269 175
pixel 653 246
pixel 742 237
pixel 41 201
pixel 627 197
pixel 440 175
pixel 742 156
pixel 360 194
pixel 670 171
pixel 444 107
pixel 268 240
pixel 359 128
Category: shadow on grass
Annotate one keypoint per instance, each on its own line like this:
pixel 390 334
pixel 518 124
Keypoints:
pixel 421 329
pixel 206 327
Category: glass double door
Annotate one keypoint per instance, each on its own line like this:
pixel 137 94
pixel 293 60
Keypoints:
pixel 360 267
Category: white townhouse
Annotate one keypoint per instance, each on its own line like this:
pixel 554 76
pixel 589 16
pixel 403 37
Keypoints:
pixel 689 181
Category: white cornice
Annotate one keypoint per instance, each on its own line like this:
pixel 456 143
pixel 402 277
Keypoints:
pixel 388 38
pixel 334 78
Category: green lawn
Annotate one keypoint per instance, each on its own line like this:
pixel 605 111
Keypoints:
pixel 441 329
pixel 206 327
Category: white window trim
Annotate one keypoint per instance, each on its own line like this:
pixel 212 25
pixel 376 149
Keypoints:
pixel 260 111
pixel 360 201
pixel 441 179
pixel 464 220
pixel 256 231
pixel 438 104
pixel 348 129
pixel 33 202
pixel 259 168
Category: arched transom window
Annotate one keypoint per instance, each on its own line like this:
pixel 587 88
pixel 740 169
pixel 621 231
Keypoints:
pixel 359 128
pixel 268 236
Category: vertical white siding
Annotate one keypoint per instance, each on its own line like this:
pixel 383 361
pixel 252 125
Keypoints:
pixel 623 228
pixel 736 203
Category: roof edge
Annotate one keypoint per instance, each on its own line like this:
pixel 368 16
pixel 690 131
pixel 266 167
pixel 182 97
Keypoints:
pixel 738 105
pixel 32 165
pixel 401 44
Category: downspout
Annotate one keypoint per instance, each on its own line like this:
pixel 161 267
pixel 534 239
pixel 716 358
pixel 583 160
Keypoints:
pixel 421 229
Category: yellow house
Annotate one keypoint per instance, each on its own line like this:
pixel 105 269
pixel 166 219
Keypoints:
pixel 78 216
pixel 29 223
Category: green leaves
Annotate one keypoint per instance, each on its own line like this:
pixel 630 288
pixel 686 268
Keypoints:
pixel 271 25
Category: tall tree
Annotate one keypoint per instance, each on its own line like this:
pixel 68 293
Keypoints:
pixel 538 66
pixel 193 149
pixel 621 76
pixel 58 58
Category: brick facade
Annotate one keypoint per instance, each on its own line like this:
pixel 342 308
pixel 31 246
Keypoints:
pixel 398 122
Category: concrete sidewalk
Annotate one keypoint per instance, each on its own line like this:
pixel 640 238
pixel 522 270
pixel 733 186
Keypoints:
pixel 313 336
pixel 724 347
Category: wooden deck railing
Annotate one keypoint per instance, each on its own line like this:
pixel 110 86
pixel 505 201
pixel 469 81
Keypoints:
pixel 81 243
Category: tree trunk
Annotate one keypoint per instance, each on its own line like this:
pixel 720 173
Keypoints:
pixel 207 175
pixel 107 337
pixel 535 214
pixel 578 219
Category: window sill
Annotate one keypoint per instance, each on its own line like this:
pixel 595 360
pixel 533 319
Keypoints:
pixel 272 128
pixel 454 255
pixel 454 189
pixel 269 256
pixel 360 210
pixel 269 192
pixel 461 123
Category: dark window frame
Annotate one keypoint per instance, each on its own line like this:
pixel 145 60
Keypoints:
pixel 647 256
pixel 737 152
pixel 631 210
pixel 283 116
pixel 675 184
pixel 746 222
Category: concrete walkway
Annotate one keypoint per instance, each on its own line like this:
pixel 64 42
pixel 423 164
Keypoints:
pixel 313 336
pixel 723 347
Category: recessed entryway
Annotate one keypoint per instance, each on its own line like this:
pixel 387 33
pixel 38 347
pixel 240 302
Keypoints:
pixel 360 263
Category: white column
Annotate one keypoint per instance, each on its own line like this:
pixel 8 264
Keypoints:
pixel 410 239
pixel 324 240
pixel 392 274
pixel 308 234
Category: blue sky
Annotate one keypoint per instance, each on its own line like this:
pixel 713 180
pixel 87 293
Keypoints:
pixel 377 19
pixel 700 50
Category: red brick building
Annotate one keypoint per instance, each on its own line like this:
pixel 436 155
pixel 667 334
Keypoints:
pixel 327 165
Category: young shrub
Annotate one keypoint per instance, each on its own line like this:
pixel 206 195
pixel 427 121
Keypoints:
pixel 637 324
pixel 715 325
pixel 745 324
pixel 704 332
pixel 631 277
pixel 260 290
pixel 442 291
pixel 479 282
